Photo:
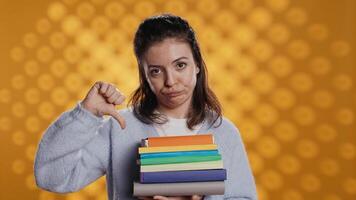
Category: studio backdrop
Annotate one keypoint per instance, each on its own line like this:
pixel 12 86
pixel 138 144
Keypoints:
pixel 283 70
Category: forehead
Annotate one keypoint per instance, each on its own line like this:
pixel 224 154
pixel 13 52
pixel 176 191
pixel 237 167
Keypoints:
pixel 167 50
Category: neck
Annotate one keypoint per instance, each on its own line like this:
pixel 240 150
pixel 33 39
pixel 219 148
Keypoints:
pixel 178 112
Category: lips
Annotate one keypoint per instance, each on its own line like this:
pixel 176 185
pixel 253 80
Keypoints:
pixel 173 94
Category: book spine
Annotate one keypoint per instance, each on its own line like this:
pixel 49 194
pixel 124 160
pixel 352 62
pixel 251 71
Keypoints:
pixel 176 148
pixel 181 140
pixel 215 164
pixel 178 159
pixel 180 153
pixel 179 189
pixel 183 176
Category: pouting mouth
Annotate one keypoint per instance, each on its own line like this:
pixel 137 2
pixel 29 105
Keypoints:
pixel 173 94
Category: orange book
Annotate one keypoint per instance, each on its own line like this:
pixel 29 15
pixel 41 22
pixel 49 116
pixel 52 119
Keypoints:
pixel 202 139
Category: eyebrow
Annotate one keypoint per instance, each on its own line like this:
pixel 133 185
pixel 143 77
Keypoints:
pixel 180 58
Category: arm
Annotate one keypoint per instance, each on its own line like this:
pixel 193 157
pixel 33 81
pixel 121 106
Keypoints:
pixel 75 149
pixel 240 184
pixel 73 152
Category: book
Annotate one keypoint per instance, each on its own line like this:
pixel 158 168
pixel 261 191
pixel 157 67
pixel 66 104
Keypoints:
pixel 180 153
pixel 179 189
pixel 215 164
pixel 176 148
pixel 178 140
pixel 177 159
pixel 183 176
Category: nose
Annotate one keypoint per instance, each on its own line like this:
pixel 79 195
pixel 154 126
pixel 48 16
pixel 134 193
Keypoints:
pixel 170 78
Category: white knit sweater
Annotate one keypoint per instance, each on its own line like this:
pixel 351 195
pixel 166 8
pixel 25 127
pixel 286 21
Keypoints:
pixel 79 147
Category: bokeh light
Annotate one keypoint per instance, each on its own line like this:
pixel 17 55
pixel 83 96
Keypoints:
pixel 283 77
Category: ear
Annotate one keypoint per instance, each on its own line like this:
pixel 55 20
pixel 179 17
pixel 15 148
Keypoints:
pixel 198 70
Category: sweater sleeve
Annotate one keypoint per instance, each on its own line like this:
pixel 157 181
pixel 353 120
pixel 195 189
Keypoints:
pixel 73 152
pixel 240 183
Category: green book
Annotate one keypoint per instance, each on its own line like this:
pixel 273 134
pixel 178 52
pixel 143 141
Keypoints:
pixel 204 165
pixel 178 159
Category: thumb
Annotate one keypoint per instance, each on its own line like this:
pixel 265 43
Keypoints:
pixel 115 114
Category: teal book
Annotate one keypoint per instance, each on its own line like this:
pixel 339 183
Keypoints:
pixel 178 159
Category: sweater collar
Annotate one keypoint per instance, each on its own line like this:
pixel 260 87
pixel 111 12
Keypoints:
pixel 153 133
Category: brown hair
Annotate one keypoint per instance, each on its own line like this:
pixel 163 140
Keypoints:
pixel 205 104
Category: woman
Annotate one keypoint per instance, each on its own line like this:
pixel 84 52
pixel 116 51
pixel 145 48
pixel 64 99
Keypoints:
pixel 173 98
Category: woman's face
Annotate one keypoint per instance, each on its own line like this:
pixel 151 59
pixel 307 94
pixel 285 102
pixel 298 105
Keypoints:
pixel 171 72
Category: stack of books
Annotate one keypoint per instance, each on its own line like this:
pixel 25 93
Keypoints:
pixel 180 166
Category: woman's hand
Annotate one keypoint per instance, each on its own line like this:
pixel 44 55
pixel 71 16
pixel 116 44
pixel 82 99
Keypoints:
pixel 102 99
pixel 194 197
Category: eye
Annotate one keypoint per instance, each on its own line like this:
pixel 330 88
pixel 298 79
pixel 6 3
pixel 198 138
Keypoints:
pixel 154 71
pixel 181 65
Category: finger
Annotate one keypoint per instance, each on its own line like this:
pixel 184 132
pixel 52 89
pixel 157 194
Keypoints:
pixel 97 85
pixel 197 197
pixel 103 87
pixel 160 197
pixel 94 89
pixel 110 91
pixel 119 100
pixel 118 118
pixel 113 97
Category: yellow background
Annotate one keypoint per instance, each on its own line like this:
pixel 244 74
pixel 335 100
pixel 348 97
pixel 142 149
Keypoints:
pixel 283 70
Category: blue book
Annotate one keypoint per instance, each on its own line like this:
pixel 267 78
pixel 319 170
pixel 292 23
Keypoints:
pixel 180 153
pixel 183 176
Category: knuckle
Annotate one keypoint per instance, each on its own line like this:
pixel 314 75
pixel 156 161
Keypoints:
pixel 111 99
pixel 119 94
pixel 103 87
pixel 111 89
pixel 111 85
pixel 108 91
pixel 102 83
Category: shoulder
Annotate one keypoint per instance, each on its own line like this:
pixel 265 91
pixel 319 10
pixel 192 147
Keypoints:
pixel 227 132
pixel 222 123
pixel 227 123
pixel 226 126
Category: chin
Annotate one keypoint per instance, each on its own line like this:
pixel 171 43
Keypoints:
pixel 176 102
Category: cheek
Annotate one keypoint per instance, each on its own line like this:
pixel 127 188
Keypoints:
pixel 190 80
pixel 194 77
pixel 193 81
